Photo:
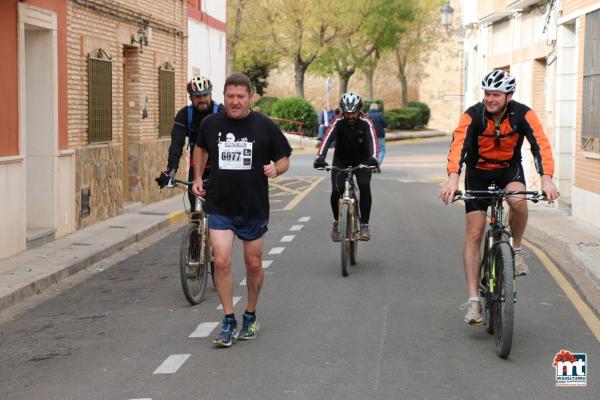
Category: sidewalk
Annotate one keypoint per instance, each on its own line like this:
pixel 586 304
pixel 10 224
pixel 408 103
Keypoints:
pixel 32 271
pixel 36 269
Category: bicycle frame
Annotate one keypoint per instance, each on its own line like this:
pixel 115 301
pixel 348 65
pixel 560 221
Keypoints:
pixel 496 234
pixel 497 284
pixel 197 215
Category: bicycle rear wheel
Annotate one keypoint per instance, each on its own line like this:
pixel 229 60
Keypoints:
pixel 345 228
pixel 504 304
pixel 193 266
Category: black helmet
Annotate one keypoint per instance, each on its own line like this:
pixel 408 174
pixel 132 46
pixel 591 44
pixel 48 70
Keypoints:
pixel 199 86
pixel 350 102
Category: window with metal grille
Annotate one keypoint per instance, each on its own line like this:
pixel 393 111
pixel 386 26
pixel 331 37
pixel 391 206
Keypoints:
pixel 99 98
pixel 166 99
pixel 590 129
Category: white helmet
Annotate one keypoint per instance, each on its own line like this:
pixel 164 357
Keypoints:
pixel 499 81
pixel 199 86
pixel 350 102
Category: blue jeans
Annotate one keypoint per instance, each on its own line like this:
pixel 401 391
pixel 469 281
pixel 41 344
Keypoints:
pixel 381 144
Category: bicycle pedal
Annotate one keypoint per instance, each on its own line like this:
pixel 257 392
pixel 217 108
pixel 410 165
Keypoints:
pixel 194 263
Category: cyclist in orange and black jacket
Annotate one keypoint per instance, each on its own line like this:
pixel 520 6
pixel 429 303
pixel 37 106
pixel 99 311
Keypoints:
pixel 488 141
pixel 355 143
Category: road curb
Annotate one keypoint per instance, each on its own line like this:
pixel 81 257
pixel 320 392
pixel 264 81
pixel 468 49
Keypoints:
pixel 551 245
pixel 68 269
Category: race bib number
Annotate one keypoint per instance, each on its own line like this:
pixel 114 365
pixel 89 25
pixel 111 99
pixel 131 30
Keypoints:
pixel 235 155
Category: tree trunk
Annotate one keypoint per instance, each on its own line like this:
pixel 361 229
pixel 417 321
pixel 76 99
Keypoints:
pixel 401 64
pixel 344 78
pixel 231 58
pixel 233 39
pixel 369 74
pixel 404 85
pixel 299 71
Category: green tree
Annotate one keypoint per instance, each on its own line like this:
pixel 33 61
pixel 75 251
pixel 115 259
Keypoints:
pixel 235 34
pixel 365 30
pixel 300 30
pixel 421 33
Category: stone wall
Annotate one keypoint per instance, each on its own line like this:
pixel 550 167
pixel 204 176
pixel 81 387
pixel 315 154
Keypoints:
pixel 100 168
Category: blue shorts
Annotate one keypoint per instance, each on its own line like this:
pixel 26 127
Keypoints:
pixel 247 229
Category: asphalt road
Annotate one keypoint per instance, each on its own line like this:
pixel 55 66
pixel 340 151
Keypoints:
pixel 391 330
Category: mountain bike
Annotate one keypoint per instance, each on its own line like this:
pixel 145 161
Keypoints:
pixel 196 258
pixel 498 287
pixel 348 218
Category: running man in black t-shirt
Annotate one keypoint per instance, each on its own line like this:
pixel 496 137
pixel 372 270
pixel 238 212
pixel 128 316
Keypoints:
pixel 242 145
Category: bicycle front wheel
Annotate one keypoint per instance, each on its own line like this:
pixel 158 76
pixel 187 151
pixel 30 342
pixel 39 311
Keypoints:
pixel 504 302
pixel 193 265
pixel 354 229
pixel 345 237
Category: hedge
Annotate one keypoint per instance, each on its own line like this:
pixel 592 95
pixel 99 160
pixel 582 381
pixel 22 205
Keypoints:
pixel 404 118
pixel 265 104
pixel 367 105
pixel 298 109
pixel 425 111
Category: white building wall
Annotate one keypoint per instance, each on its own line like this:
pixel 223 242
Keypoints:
pixel 13 217
pixel 216 9
pixel 206 55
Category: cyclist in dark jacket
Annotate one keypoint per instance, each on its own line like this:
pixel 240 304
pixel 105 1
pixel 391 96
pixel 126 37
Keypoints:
pixel 355 143
pixel 380 124
pixel 186 124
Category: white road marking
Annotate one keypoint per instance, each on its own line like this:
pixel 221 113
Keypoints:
pixel 146 398
pixel 172 364
pixel 304 219
pixel 235 301
pixel 287 238
pixel 243 283
pixel 296 227
pixel 204 329
pixel 266 263
pixel 277 250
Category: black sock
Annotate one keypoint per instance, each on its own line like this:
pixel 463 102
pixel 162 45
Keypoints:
pixel 252 314
pixel 230 316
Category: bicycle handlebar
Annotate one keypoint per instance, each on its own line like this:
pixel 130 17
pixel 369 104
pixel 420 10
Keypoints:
pixel 173 182
pixel 534 196
pixel 347 169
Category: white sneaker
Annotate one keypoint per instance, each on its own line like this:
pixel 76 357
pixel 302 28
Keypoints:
pixel 521 267
pixel 473 315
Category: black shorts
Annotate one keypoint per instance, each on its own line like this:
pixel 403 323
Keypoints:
pixel 479 179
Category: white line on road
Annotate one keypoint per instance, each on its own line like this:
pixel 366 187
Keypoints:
pixel 243 283
pixel 287 238
pixel 386 308
pixel 296 227
pixel 235 301
pixel 304 219
pixel 266 263
pixel 172 364
pixel 146 398
pixel 277 250
pixel 204 329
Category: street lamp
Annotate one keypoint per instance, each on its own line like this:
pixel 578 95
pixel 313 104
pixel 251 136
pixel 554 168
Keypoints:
pixel 142 36
pixel 447 13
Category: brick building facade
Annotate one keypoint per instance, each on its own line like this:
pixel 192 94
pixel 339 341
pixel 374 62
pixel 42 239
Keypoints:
pixel 115 170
